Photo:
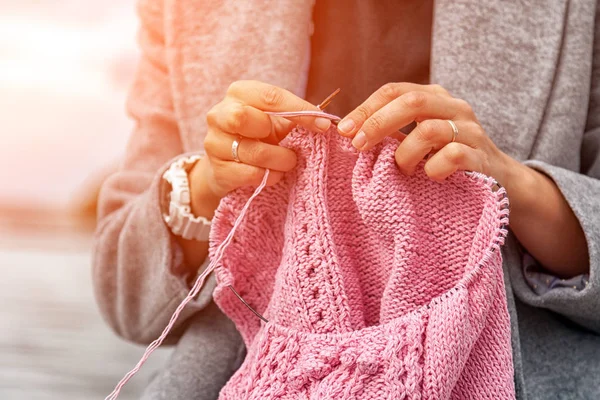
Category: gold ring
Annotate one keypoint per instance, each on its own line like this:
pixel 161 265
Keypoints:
pixel 454 130
pixel 234 149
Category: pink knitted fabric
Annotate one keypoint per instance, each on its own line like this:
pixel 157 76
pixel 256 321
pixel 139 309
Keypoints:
pixel 376 285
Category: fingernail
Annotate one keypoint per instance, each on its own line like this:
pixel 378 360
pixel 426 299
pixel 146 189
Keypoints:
pixel 322 123
pixel 360 140
pixel 346 126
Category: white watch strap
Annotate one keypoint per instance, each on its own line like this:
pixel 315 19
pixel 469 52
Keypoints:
pixel 183 223
pixel 180 219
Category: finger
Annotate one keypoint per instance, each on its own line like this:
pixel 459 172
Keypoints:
pixel 234 117
pixel 428 136
pixel 281 128
pixel 237 118
pixel 250 151
pixel 283 125
pixel 454 157
pixel 387 93
pixel 231 175
pixel 412 106
pixel 266 97
pixel 306 120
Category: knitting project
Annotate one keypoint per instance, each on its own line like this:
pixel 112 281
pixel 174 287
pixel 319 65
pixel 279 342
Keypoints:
pixel 376 285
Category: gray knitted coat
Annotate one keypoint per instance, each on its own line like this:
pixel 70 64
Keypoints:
pixel 531 71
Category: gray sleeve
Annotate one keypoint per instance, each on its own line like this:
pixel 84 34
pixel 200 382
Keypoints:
pixel 139 272
pixel 582 192
pixel 207 354
pixel 581 189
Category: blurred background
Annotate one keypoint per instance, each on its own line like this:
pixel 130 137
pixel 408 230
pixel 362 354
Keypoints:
pixel 65 67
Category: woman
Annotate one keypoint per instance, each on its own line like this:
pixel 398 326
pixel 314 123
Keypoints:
pixel 520 83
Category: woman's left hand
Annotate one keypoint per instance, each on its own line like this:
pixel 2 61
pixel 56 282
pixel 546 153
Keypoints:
pixel 396 105
pixel 541 218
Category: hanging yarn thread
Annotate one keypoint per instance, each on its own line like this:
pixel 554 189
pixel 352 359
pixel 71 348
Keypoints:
pixel 191 295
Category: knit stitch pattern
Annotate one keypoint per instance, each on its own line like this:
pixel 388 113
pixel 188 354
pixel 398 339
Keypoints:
pixel 376 285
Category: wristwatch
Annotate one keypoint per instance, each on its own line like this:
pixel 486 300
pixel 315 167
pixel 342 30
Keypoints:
pixel 175 202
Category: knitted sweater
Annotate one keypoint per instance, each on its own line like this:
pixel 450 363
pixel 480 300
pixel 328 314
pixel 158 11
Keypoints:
pixel 376 285
pixel 531 71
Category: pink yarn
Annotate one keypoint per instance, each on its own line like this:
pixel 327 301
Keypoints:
pixel 376 285
pixel 218 254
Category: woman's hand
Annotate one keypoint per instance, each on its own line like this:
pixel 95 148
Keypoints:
pixel 240 115
pixel 396 105
pixel 541 218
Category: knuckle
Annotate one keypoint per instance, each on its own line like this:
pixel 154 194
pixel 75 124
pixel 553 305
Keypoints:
pixel 236 87
pixel 236 117
pixel 477 130
pixel 233 87
pixel 272 96
pixel 438 89
pixel 464 107
pixel 426 130
pixel 376 122
pixel 361 114
pixel 210 143
pixel 211 116
pixel 257 154
pixel 389 90
pixel 455 153
pixel 415 100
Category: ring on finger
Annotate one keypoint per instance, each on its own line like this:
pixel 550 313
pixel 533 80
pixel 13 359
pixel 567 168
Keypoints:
pixel 235 146
pixel 454 130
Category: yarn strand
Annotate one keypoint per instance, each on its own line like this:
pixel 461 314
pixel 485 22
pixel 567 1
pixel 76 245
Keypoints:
pixel 191 295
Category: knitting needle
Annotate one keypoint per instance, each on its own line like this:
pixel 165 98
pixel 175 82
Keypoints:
pixel 246 304
pixel 406 130
pixel 326 102
pixel 328 99
pixel 309 113
pixel 334 119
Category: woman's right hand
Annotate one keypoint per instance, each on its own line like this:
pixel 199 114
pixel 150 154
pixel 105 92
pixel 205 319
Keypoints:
pixel 241 116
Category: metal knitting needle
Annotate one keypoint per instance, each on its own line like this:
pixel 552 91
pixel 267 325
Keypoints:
pixel 247 305
pixel 406 130
pixel 310 113
pixel 334 119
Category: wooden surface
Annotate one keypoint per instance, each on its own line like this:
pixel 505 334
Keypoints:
pixel 53 342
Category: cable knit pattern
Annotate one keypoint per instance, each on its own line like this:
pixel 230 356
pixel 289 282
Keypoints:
pixel 376 285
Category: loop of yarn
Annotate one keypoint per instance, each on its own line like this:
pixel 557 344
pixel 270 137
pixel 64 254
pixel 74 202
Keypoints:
pixel 376 285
